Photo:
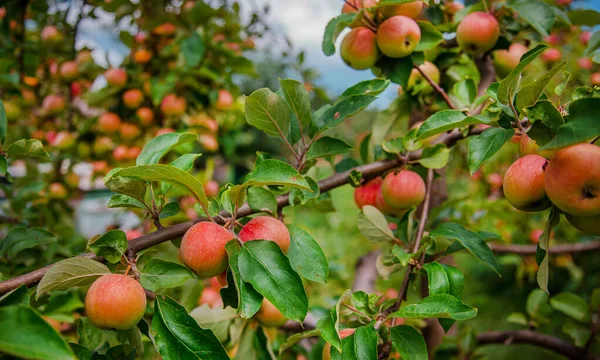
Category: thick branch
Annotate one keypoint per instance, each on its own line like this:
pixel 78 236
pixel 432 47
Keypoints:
pixel 530 337
pixel 555 249
pixel 176 231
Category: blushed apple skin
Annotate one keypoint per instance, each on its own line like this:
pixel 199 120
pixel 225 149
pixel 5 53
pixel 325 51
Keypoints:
pixel 573 180
pixel 367 194
pixel 430 70
pixel 411 10
pixel 266 228
pixel 359 49
pixel 358 4
pixel 203 248
pixel 398 36
pixel 269 315
pixel 478 32
pixel 524 184
pixel 587 224
pixel 403 190
pixel 344 333
pixel 115 301
pixel 506 60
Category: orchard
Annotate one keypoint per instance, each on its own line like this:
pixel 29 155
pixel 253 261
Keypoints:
pixel 236 209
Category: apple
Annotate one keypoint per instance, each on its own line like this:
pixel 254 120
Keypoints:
pixel 146 115
pixel 478 32
pixel 116 76
pixel 352 6
pixel 224 100
pixel 173 105
pixel 409 9
pixel 416 79
pixel 266 228
pixel 109 122
pixel 524 184
pixel 51 35
pixel 53 104
pixel 133 98
pixel 359 48
pixel 398 36
pixel 506 60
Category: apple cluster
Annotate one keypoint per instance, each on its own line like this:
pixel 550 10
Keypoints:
pixel 568 178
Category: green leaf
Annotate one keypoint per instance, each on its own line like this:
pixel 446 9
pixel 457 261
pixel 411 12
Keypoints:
pixel 26 148
pixel 306 256
pixel 538 304
pixel 470 240
pixel 445 120
pixel 3 166
pixel 437 306
pixel 111 246
pixel 579 333
pixel 134 188
pixel 329 325
pixel 342 109
pixel 3 123
pixel 186 163
pixel 88 334
pixel 302 196
pixel 430 36
pixel 373 225
pixel 297 98
pixel 584 17
pixel 169 210
pixel 362 344
pixel 178 335
pixel 124 201
pixel 560 88
pixel 367 87
pixel 261 199
pixel 249 300
pixel 334 27
pixel 217 319
pixel 571 305
pixel 25 334
pixel 542 249
pixel 268 112
pixel 193 48
pixel 20 239
pixel 263 264
pixel 583 124
pixel 296 338
pixel 435 157
pixel 159 274
pixel 444 279
pixel 465 92
pixel 529 94
pixel 166 173
pixel 69 273
pixel 158 147
pixel 275 172
pixel 401 254
pixel 327 146
pixel 409 342
pixel 484 146
pixel 508 87
pixel 18 296
pixel 537 13
pixel 397 71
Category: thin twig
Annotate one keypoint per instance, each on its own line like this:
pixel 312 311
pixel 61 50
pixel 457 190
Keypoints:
pixel 436 86
pixel 353 309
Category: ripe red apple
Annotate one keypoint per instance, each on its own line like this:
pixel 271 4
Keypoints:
pixel 587 224
pixel 563 2
pixel 534 235
pixel 211 188
pixel 222 278
pixel 133 152
pixel 416 78
pixel 129 131
pixel 224 100
pixel 398 36
pixel 31 81
pixel 352 6
pixel 478 32
pixel 2 12
pixel 140 37
pixel 359 48
pixel 115 301
pixel 203 248
pixel 142 56
pixel 133 98
pixel 410 9
pixel 453 7
pixel 53 104
pixel 344 333
pixel 269 315
pixel 51 35
pixel 506 60
pixel 116 76
pixel 524 184
pixel 573 180
pixel 553 39
pixel 367 194
pixel 84 56
pixel 166 29
pixel 146 116
pixel 551 55
pixel 403 190
pixel 585 37
pixel 585 63
pixel 57 191
pixel 68 70
pixel 120 153
pixel 172 105
pixel 109 122
pixel 133 234
pixel 266 228
pixel 211 297
pixel 595 79
pixel 495 180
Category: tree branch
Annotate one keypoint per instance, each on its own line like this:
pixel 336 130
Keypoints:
pixel 530 337
pixel 436 86
pixel 555 249
pixel 176 231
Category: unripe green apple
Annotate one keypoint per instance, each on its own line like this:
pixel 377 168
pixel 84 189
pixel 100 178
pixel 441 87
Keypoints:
pixel 506 60
pixel 367 194
pixel 398 36
pixel 203 248
pixel 115 301
pixel 587 224
pixel 403 190
pixel 573 179
pixel 409 9
pixel 269 315
pixel 478 32
pixel 359 48
pixel 266 228
pixel 13 111
pixel 417 79
pixel 351 6
pixel 524 184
